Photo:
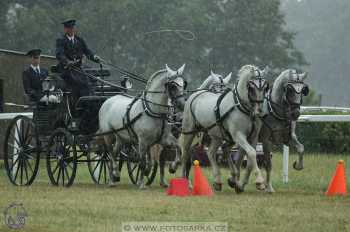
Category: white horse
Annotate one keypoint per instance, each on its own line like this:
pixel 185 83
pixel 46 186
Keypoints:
pixel 229 116
pixel 283 109
pixel 214 83
pixel 141 120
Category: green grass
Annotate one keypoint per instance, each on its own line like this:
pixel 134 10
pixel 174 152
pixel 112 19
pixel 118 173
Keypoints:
pixel 297 206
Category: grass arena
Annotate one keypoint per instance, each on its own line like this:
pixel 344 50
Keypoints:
pixel 299 205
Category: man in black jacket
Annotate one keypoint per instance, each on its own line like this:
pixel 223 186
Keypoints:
pixel 70 50
pixel 33 77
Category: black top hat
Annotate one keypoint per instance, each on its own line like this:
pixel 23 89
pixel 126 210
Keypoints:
pixel 69 23
pixel 34 52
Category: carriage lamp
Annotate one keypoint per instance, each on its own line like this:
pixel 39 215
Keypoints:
pixel 126 83
pixel 48 84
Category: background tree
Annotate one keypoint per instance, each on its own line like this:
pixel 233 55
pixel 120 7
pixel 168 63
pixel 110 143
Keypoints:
pixel 228 33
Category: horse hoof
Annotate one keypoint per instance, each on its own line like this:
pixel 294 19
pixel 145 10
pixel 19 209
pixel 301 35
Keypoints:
pixel 172 170
pixel 115 179
pixel 270 190
pixel 297 167
pixel 231 182
pixel 260 186
pixel 217 186
pixel 239 189
pixel 164 185
pixel 142 186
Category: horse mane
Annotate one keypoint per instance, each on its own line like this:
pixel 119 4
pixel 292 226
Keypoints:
pixel 154 75
pixel 279 83
pixel 245 68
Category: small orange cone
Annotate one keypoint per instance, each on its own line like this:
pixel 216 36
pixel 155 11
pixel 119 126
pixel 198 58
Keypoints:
pixel 178 187
pixel 337 186
pixel 201 186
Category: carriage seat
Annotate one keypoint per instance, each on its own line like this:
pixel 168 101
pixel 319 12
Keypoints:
pixel 87 102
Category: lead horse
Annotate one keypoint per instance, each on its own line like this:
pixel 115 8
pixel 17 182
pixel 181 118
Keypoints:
pixel 215 83
pixel 283 109
pixel 142 120
pixel 229 116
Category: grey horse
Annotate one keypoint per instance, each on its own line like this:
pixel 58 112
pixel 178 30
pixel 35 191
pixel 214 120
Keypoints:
pixel 215 83
pixel 229 116
pixel 141 120
pixel 283 107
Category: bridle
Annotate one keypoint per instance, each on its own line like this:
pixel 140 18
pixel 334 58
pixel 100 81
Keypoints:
pixel 298 87
pixel 259 83
pixel 172 82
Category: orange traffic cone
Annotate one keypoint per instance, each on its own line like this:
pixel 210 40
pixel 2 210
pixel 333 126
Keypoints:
pixel 200 184
pixel 178 187
pixel 337 186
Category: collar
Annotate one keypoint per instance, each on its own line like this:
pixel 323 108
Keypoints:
pixel 35 67
pixel 70 37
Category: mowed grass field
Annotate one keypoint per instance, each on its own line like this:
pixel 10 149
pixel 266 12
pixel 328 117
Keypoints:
pixel 298 206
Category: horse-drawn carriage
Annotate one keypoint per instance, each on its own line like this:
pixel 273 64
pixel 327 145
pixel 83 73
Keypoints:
pixel 63 133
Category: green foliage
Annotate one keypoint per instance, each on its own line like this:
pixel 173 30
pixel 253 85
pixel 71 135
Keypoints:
pixel 325 137
pixel 228 34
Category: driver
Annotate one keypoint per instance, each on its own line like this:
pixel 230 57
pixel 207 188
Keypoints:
pixel 70 50
pixel 33 76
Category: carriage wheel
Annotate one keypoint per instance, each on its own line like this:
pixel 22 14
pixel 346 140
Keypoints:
pixel 99 165
pixel 61 160
pixel 21 151
pixel 135 169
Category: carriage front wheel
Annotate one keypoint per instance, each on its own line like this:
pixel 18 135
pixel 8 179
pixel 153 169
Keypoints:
pixel 21 151
pixel 61 160
pixel 135 168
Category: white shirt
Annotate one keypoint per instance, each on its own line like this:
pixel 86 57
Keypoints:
pixel 35 68
pixel 71 38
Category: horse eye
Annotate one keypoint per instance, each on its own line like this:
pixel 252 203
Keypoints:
pixel 305 90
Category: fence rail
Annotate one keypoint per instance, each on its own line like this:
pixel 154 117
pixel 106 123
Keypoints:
pixel 302 118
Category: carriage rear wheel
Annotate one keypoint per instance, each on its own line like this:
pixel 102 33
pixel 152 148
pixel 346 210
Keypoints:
pixel 21 151
pixel 135 167
pixel 99 164
pixel 61 160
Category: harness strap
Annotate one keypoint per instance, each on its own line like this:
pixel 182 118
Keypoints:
pixel 270 104
pixel 127 122
pixel 237 99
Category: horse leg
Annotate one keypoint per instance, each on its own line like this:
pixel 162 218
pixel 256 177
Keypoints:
pixel 157 156
pixel 251 162
pixel 299 164
pixel 145 163
pixel 268 166
pixel 234 166
pixel 186 142
pixel 214 145
pixel 112 154
pixel 174 165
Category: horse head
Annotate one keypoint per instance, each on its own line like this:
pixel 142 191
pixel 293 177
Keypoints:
pixel 175 87
pixel 252 87
pixel 289 90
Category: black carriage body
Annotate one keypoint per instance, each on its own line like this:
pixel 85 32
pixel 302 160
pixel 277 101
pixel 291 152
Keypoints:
pixel 48 117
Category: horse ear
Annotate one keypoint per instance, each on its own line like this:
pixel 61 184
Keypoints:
pixel 169 70
pixel 266 70
pixel 304 76
pixel 181 69
pixel 212 73
pixel 227 79
pixel 290 73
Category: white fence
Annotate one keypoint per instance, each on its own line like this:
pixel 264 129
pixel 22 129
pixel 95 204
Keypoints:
pixel 302 118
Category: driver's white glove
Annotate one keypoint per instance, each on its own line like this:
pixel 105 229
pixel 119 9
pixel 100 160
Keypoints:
pixel 44 99
pixel 53 99
pixel 97 58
